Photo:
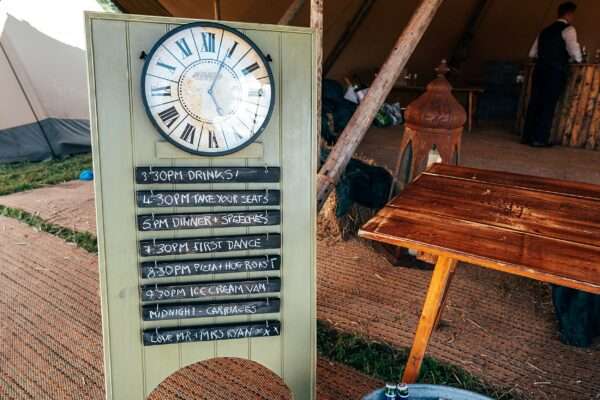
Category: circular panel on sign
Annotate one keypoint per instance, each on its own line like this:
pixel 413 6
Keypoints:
pixel 222 379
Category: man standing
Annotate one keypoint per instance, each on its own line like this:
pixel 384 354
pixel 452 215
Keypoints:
pixel 553 49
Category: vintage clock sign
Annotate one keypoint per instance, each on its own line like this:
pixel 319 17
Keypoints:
pixel 204 156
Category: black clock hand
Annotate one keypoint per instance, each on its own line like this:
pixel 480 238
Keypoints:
pixel 219 109
pixel 214 82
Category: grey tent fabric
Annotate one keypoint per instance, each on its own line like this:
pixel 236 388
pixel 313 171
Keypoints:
pixel 43 140
pixel 44 106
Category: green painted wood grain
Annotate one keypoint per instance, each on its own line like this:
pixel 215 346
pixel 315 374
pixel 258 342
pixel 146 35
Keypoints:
pixel 123 137
pixel 116 212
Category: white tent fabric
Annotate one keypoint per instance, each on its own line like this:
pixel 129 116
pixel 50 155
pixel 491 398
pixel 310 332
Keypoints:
pixel 43 106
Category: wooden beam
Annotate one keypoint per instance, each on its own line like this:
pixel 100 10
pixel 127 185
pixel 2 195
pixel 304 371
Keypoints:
pixel 316 23
pixel 145 7
pixel 217 9
pixel 461 51
pixel 291 12
pixel 352 27
pixel 360 122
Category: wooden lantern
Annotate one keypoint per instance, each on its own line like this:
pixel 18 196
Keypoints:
pixel 434 120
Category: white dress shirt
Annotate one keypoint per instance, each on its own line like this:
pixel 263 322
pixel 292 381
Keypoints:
pixel 569 34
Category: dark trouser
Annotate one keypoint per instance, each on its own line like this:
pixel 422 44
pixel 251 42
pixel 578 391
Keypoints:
pixel 547 86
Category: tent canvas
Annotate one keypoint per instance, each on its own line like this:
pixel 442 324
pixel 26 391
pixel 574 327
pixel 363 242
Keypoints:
pixel 44 107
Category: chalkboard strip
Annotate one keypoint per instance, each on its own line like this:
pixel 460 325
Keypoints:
pixel 175 268
pixel 160 312
pixel 154 337
pixel 170 222
pixel 204 245
pixel 203 198
pixel 210 289
pixel 180 175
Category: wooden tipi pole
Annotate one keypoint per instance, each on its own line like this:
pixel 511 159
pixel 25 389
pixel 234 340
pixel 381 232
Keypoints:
pixel 461 51
pixel 382 85
pixel 291 12
pixel 352 27
pixel 316 23
pixel 217 9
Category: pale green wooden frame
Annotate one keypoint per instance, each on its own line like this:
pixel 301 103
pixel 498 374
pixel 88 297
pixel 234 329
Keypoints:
pixel 123 137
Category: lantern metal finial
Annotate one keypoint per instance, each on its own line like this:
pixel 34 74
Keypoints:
pixel 443 68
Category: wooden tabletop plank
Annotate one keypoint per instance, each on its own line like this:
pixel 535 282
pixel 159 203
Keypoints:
pixel 569 188
pixel 546 259
pixel 474 89
pixel 533 212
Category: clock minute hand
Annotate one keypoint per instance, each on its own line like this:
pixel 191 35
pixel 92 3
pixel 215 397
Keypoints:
pixel 218 74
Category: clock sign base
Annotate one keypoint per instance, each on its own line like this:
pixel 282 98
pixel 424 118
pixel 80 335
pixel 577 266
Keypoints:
pixel 204 145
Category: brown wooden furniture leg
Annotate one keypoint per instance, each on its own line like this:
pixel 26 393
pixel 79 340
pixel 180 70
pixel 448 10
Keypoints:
pixel 433 303
pixel 443 305
pixel 470 111
pixel 475 103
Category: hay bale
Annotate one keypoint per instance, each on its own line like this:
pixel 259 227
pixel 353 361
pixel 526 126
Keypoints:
pixel 331 227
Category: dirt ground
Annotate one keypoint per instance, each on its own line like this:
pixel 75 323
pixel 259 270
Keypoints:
pixel 500 328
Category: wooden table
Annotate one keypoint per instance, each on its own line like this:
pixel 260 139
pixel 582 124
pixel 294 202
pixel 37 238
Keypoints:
pixel 544 229
pixel 472 93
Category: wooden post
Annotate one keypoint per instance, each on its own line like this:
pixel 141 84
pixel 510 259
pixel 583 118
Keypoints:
pixel 352 27
pixel 382 85
pixel 291 12
pixel 579 108
pixel 316 23
pixel 587 139
pixel 594 129
pixel 573 101
pixel 217 8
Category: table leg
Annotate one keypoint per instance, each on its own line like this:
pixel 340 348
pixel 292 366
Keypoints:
pixel 470 113
pixel 431 310
pixel 443 305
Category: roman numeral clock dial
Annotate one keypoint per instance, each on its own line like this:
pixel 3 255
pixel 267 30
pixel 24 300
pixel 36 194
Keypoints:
pixel 208 89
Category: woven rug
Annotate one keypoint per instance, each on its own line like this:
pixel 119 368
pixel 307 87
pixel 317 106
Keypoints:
pixel 499 327
pixel 51 344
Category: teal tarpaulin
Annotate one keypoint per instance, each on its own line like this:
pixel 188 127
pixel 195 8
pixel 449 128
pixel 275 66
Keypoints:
pixel 578 315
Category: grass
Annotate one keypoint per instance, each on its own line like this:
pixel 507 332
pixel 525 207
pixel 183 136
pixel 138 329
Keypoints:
pixel 384 362
pixel 84 240
pixel 372 358
pixel 31 175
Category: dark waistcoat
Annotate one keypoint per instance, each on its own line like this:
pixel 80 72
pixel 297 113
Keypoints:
pixel 552 48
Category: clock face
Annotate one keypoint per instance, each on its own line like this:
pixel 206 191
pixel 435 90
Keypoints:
pixel 208 89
